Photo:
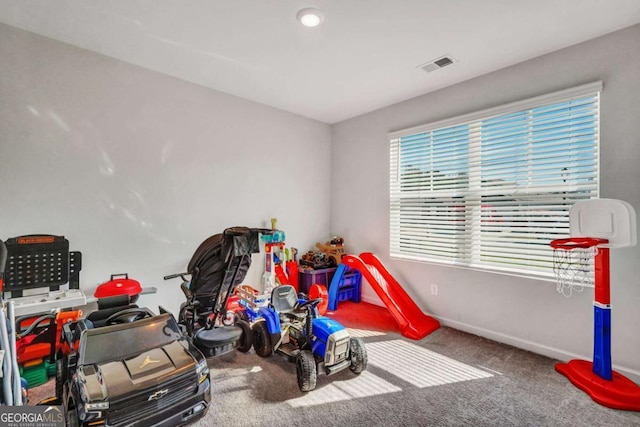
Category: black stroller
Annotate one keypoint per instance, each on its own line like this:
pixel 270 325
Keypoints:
pixel 218 265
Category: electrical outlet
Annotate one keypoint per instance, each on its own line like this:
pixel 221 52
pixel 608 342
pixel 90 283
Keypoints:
pixel 434 289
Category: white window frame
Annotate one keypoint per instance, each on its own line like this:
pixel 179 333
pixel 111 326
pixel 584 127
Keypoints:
pixel 471 257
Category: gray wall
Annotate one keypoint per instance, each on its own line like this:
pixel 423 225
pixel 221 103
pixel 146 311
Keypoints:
pixel 526 313
pixel 136 168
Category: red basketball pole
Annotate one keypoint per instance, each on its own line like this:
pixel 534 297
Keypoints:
pixel 597 379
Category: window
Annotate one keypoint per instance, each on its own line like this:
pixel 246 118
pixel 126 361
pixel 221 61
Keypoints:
pixel 491 189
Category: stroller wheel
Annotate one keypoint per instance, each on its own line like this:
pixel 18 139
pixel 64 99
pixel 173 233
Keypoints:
pixel 246 339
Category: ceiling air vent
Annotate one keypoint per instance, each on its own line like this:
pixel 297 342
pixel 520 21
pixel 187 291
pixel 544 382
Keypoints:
pixel 436 64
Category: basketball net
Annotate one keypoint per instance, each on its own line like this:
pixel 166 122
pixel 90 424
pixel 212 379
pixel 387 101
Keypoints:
pixel 573 268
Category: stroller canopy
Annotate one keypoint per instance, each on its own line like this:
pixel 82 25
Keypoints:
pixel 221 262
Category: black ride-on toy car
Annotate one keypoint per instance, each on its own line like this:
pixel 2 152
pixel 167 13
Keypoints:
pixel 136 370
pixel 217 266
pixel 291 327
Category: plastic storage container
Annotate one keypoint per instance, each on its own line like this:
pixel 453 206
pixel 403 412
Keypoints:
pixel 310 277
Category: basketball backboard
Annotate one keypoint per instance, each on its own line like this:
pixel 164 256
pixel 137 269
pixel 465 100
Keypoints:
pixel 611 219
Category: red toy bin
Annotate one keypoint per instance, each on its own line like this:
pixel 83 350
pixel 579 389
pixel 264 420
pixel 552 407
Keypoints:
pixel 119 286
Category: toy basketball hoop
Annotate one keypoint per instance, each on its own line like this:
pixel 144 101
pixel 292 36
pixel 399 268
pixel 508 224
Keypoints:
pixel 583 260
pixel 573 262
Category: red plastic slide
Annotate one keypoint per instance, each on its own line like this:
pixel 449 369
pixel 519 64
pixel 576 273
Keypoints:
pixel 413 322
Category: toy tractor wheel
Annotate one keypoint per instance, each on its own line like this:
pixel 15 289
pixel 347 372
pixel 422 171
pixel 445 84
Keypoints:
pixel 246 339
pixel 306 370
pixel 358 355
pixel 262 339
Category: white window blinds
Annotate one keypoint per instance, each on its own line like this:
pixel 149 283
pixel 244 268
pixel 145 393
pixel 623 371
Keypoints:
pixel 491 189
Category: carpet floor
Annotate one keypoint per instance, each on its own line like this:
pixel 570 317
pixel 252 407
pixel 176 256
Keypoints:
pixel 449 378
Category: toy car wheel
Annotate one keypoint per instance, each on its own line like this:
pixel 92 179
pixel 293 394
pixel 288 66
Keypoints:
pixel 306 370
pixel 262 340
pixel 60 376
pixel 246 339
pixel 72 418
pixel 358 355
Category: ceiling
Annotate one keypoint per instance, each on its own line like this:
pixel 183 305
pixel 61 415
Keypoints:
pixel 365 56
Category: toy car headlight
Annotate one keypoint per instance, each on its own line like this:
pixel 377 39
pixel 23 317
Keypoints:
pixel 96 406
pixel 202 369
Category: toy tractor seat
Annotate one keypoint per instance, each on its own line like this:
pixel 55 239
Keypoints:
pixel 284 298
pixel 285 301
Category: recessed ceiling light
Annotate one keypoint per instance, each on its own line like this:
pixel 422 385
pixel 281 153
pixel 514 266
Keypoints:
pixel 310 17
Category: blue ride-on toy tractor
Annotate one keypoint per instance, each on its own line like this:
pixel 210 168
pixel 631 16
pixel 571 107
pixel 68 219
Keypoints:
pixel 290 326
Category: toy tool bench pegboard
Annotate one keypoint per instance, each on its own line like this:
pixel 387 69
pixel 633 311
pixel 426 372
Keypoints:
pixel 40 265
pixel 40 261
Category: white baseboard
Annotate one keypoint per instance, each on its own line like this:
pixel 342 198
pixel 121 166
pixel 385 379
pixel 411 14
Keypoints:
pixel 554 353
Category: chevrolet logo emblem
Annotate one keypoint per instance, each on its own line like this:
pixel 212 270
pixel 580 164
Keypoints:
pixel 159 394
pixel 148 361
